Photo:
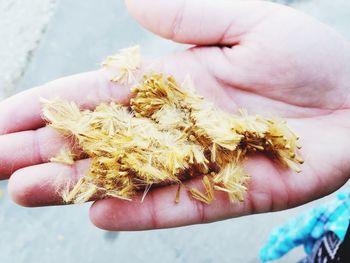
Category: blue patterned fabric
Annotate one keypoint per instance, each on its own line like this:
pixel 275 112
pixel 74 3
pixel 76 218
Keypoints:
pixel 308 227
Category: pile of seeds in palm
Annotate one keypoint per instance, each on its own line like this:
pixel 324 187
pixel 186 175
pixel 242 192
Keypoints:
pixel 166 135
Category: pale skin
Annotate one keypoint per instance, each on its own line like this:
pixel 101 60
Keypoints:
pixel 266 58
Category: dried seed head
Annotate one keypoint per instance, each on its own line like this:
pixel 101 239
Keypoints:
pixel 166 135
pixel 125 63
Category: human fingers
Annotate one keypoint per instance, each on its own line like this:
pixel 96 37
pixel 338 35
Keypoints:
pixel 43 184
pixel 23 111
pixel 28 148
pixel 200 22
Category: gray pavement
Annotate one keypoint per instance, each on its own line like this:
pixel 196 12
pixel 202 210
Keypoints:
pixel 22 23
pixel 80 33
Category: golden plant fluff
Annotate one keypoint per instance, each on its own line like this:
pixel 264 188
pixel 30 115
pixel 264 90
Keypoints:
pixel 166 135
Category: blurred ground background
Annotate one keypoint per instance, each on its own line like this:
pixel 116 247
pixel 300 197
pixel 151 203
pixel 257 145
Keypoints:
pixel 45 39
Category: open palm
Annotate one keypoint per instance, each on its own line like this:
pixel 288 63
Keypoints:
pixel 266 58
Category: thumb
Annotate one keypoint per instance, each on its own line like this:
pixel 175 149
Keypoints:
pixel 200 22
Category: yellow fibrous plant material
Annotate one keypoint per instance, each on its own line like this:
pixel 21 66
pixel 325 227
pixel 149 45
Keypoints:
pixel 126 63
pixel 166 135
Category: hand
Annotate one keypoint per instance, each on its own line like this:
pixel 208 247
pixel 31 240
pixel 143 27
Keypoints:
pixel 264 57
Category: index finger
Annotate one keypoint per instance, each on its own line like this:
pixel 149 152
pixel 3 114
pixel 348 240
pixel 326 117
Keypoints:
pixel 23 111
